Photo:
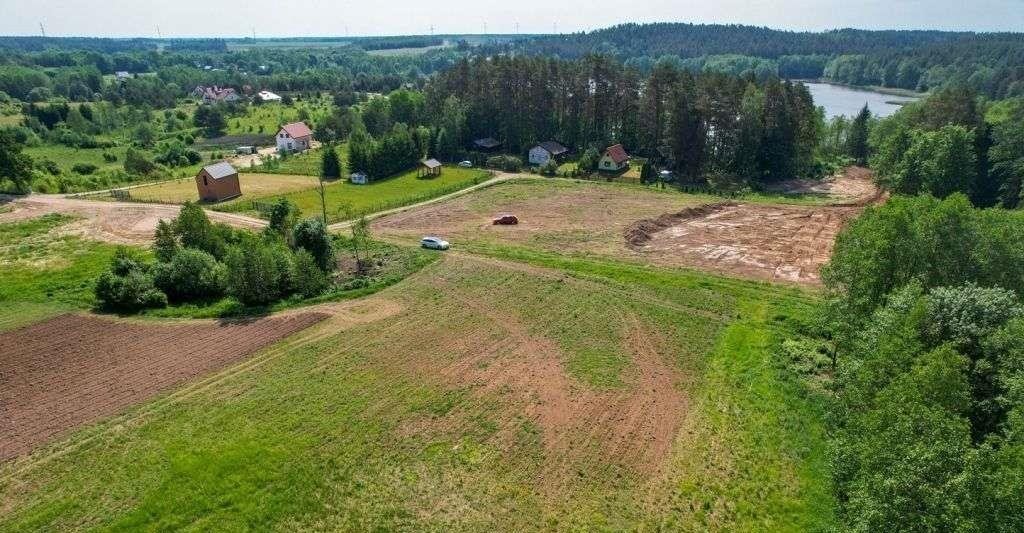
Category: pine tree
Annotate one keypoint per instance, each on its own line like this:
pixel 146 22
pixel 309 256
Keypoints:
pixel 857 140
pixel 330 165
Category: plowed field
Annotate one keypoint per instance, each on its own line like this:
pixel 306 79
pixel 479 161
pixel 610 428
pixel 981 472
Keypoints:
pixel 73 369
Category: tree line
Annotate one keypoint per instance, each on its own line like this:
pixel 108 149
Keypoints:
pixel 703 126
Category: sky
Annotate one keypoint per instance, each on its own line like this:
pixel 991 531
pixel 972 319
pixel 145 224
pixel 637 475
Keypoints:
pixel 287 18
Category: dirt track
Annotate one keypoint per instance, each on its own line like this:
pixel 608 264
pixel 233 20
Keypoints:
pixel 116 222
pixel 68 371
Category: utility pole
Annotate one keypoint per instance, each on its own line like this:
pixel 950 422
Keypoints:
pixel 158 34
pixel 42 29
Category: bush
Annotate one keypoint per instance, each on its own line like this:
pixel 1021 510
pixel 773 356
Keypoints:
pixel 508 163
pixel 109 157
pixel 307 278
pixel 135 162
pixel 550 168
pixel 191 275
pixel 311 235
pixel 258 273
pixel 84 168
pixel 128 285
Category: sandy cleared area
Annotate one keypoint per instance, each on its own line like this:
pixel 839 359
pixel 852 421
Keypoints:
pixel 116 222
pixel 65 372
pixel 776 242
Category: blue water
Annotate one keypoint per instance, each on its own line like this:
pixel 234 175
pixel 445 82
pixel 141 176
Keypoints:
pixel 838 100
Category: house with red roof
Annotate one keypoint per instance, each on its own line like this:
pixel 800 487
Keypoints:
pixel 294 137
pixel 614 159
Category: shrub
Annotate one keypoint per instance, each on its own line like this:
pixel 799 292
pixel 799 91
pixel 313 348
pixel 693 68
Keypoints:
pixel 49 166
pixel 135 162
pixel 191 275
pixel 128 285
pixel 311 235
pixel 109 157
pixel 84 168
pixel 508 163
pixel 307 278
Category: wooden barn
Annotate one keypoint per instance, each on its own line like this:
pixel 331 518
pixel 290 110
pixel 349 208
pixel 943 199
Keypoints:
pixel 218 182
pixel 430 168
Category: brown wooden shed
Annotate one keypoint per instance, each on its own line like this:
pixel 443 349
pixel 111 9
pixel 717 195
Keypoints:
pixel 218 182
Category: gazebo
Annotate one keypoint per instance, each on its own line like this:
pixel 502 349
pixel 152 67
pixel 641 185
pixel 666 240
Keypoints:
pixel 430 168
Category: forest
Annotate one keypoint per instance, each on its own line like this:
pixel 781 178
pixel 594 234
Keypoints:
pixel 991 63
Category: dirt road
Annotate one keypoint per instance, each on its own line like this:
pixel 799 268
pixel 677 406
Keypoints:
pixel 117 222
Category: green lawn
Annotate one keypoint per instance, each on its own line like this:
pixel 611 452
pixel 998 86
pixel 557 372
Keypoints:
pixel 346 200
pixel 307 163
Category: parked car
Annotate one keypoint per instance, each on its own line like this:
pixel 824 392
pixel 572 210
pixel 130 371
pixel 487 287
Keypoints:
pixel 466 164
pixel 505 219
pixel 434 243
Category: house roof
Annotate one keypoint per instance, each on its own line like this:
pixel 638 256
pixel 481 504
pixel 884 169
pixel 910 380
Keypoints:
pixel 487 142
pixel 220 170
pixel 297 129
pixel 553 148
pixel 617 153
pixel 431 163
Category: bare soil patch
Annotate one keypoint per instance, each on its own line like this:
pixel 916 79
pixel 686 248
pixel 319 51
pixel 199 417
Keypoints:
pixel 580 426
pixel 74 369
pixel 115 222
pixel 775 243
pixel 854 186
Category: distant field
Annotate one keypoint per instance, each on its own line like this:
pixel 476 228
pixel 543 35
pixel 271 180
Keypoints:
pixel 345 200
pixel 267 118
pixel 407 51
pixel 253 186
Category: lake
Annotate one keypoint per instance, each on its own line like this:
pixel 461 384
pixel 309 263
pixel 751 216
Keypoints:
pixel 838 100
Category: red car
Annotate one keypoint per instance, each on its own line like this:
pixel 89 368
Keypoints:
pixel 505 220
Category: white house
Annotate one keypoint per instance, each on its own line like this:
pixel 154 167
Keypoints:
pixel 294 137
pixel 546 151
pixel 358 178
pixel 267 96
pixel 614 159
pixel 122 75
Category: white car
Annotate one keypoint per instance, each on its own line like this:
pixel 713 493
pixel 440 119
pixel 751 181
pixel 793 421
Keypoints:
pixel 434 243
pixel 466 164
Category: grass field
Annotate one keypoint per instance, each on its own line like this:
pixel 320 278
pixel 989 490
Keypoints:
pixel 488 395
pixel 506 386
pixel 345 200
pixel 253 186
pixel 45 273
pixel 306 163
pixel 267 118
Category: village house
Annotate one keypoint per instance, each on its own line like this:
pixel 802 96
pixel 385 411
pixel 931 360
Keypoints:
pixel 358 178
pixel 122 75
pixel 218 182
pixel 614 159
pixel 546 151
pixel 215 94
pixel 294 137
pixel 487 144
